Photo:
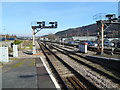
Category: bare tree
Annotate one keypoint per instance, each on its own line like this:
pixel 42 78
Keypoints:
pixel 52 36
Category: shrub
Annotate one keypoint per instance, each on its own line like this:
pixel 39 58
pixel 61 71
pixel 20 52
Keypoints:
pixel 17 42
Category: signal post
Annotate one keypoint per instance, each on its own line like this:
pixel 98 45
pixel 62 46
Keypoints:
pixel 101 28
pixel 36 29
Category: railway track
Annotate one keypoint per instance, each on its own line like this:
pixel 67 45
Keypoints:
pixel 75 83
pixel 98 67
pixel 88 59
pixel 107 51
pixel 101 73
pixel 66 75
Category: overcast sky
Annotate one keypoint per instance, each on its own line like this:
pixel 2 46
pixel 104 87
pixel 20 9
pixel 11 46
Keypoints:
pixel 17 16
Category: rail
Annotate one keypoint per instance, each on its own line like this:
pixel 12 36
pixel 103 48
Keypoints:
pixel 80 77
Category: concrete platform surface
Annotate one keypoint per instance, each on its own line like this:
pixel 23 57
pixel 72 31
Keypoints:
pixel 25 73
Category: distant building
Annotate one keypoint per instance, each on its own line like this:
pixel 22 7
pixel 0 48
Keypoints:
pixel 85 38
pixel 7 37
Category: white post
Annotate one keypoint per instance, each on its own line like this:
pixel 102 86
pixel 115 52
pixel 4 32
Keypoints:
pixel 15 50
pixel 34 48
